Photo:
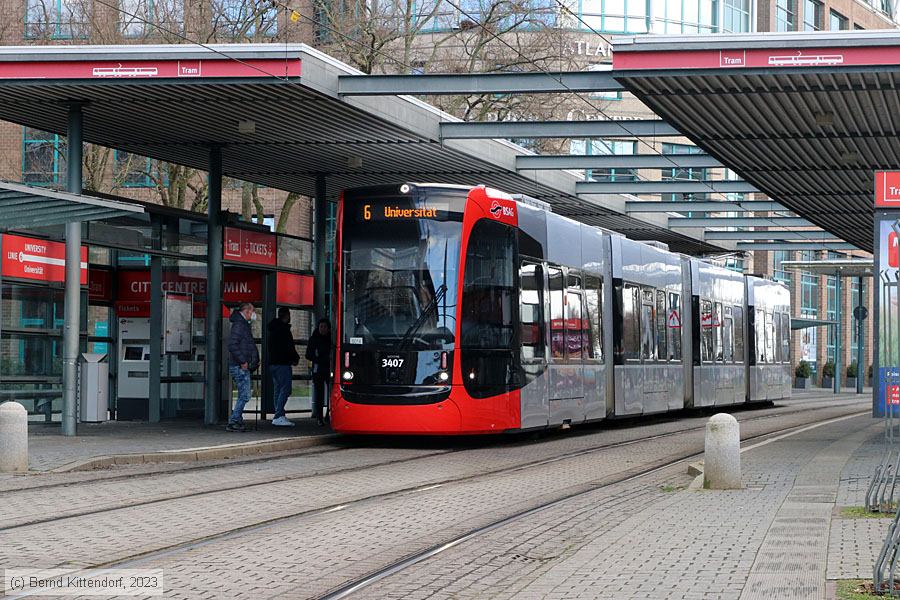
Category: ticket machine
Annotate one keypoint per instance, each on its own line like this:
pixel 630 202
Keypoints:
pixel 133 401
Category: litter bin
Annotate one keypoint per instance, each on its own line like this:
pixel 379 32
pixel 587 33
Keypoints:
pixel 94 388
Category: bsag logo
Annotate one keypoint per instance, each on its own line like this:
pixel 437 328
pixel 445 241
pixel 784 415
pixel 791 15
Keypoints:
pixel 497 210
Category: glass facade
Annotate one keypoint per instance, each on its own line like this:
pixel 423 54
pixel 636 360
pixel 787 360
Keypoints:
pixel 684 16
pixel 115 317
pixel 684 173
pixel 779 274
pixel 243 19
pixel 831 301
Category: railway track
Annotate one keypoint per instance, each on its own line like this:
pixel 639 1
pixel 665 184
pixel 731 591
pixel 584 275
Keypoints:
pixel 269 480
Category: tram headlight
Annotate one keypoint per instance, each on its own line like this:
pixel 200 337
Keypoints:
pixel 404 189
pixel 443 375
pixel 347 376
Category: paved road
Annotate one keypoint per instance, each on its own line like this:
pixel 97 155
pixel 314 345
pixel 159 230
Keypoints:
pixel 302 525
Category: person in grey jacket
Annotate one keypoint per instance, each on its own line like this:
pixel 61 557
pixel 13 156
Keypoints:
pixel 243 358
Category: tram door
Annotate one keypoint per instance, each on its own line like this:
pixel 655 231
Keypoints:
pixel 535 403
pixel 566 391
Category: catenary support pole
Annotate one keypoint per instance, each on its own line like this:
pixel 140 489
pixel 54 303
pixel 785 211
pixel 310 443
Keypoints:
pixel 861 370
pixel 72 311
pixel 154 410
pixel 319 241
pixel 214 276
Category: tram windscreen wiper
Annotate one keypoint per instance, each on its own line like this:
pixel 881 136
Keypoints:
pixel 435 301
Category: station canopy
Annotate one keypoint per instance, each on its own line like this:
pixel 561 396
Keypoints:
pixel 276 113
pixel 805 117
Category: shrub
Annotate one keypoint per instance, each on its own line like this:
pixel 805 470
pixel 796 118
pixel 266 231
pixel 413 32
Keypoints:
pixel 803 370
pixel 852 369
pixel 828 369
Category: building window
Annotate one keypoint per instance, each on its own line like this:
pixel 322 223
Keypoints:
pixel 854 329
pixel 437 15
pixel 684 16
pixel 139 17
pixel 133 170
pixel 813 15
pixel 830 313
pixel 605 147
pixel 785 15
pixel 244 18
pixel 43 157
pixel 809 288
pixel 839 22
pixel 56 19
pixel 614 16
pixel 736 16
pixel 683 174
pixel 779 273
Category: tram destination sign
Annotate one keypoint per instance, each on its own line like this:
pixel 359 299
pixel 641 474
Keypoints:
pixel 387 210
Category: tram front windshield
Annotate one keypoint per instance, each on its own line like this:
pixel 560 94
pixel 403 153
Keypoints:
pixel 400 258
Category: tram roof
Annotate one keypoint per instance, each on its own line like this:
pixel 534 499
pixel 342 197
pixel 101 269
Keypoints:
pixel 276 112
pixel 804 117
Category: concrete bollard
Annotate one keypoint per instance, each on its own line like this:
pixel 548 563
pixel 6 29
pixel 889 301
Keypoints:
pixel 722 453
pixel 13 438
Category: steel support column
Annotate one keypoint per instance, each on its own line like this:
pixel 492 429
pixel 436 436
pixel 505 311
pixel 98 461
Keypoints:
pixel 860 341
pixel 214 275
pixel 72 311
pixel 319 240
pixel 838 346
pixel 154 410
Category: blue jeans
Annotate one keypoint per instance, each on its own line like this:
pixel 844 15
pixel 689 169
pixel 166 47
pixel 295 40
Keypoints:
pixel 241 379
pixel 281 377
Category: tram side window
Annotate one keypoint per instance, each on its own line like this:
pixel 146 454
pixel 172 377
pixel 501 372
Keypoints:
pixel 648 326
pixel 673 329
pixel 785 338
pixel 488 336
pixel 777 329
pixel 761 335
pixel 631 332
pixel 576 337
pixel 557 316
pixel 531 300
pixel 728 337
pixel 593 294
pixel 707 343
pixel 661 337
pixel 770 339
pixel 717 330
pixel 737 314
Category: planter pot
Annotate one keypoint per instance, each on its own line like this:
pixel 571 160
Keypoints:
pixel 801 383
pixel 827 382
pixel 851 382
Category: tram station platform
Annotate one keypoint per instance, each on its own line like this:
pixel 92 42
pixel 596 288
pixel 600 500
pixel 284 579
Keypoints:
pixel 104 445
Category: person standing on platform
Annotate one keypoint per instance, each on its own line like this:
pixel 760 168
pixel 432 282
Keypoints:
pixel 243 358
pixel 319 353
pixel 282 355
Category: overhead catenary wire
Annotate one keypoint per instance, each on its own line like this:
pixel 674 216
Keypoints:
pixel 492 35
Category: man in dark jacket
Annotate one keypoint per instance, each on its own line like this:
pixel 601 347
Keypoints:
pixel 282 354
pixel 319 353
pixel 243 357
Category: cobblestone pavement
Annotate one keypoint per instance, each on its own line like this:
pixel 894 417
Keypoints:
pixel 309 554
pixel 636 540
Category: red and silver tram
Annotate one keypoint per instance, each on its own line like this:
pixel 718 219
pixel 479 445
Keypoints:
pixel 461 310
